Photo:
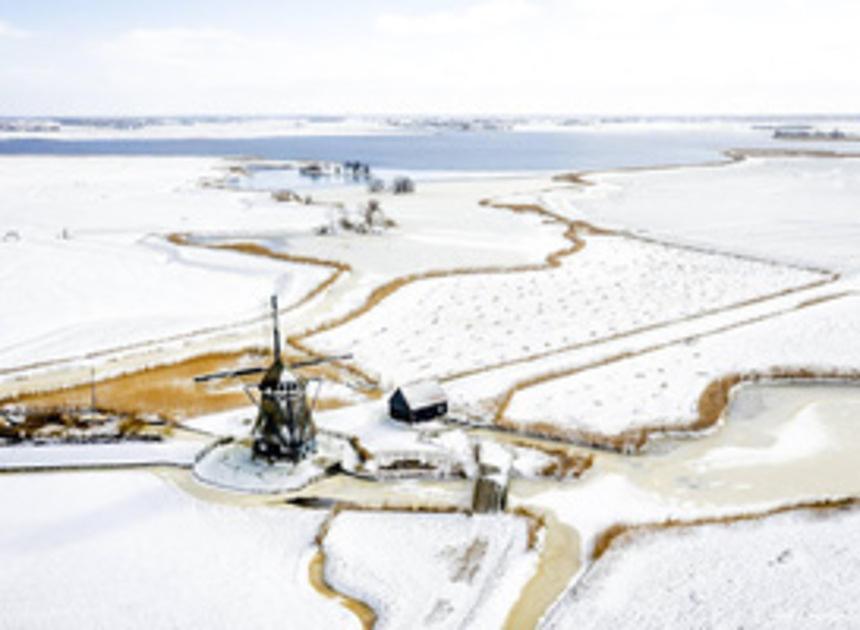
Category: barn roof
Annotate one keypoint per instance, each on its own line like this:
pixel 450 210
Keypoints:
pixel 423 394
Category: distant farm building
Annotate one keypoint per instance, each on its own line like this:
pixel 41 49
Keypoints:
pixel 418 402
pixel 313 170
pixel 403 185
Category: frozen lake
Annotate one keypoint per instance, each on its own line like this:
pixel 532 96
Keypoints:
pixel 586 149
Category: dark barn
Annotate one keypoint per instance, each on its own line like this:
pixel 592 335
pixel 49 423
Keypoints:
pixel 418 402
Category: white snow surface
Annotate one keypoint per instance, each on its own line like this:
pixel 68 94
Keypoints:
pixel 442 226
pixel 390 441
pixel 130 453
pixel 791 570
pixel 129 551
pixel 234 467
pixel 423 393
pixel 436 327
pixel 232 423
pixel 793 209
pixel 236 128
pixel 115 281
pixel 663 387
pixel 426 570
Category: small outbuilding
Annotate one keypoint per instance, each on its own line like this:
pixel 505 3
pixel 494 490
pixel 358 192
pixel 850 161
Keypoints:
pixel 418 402
pixel 402 186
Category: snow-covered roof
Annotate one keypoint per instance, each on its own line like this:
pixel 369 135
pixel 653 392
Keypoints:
pixel 423 394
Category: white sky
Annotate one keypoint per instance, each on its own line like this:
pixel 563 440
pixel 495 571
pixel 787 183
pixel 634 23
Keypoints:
pixel 381 56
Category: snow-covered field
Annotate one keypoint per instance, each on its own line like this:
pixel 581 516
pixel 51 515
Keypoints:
pixel 790 209
pixel 442 226
pixel 792 570
pixel 83 250
pixel 613 286
pixel 625 333
pixel 115 281
pixel 128 550
pixel 91 294
pixel 423 570
pixel 663 387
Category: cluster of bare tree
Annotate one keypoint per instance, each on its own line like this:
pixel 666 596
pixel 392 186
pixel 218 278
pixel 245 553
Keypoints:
pixel 367 219
pixel 400 185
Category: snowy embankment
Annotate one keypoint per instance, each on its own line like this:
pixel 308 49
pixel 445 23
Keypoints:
pixel 128 453
pixel 418 570
pixel 614 286
pixel 794 569
pixel 127 550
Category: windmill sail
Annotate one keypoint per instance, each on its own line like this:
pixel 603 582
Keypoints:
pixel 276 346
pixel 228 374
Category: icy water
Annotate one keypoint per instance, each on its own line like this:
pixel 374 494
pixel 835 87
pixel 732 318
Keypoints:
pixel 776 443
pixel 450 151
pixel 779 442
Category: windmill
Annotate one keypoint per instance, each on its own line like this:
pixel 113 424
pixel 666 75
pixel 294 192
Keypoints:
pixel 284 428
